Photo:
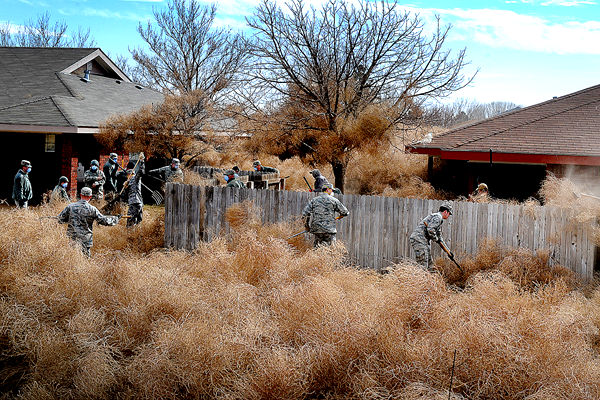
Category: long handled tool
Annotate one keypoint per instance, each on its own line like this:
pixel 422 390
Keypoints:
pixel 54 217
pixel 297 234
pixel 450 255
pixel 589 195
pixel 306 231
pixel 108 206
pixel 310 187
pixel 156 195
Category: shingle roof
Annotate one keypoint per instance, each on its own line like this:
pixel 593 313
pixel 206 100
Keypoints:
pixel 37 88
pixel 564 126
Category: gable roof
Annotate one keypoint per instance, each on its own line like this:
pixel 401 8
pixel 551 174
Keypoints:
pixel 43 89
pixel 564 130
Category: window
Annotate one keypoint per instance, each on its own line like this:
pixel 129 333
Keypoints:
pixel 50 143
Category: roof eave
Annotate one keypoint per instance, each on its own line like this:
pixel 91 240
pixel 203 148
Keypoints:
pixel 47 129
pixel 503 157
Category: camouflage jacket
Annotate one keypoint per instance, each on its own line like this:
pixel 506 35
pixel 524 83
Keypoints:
pixel 268 170
pixel 319 182
pixel 134 186
pixel 169 174
pixel 59 194
pixel 81 216
pixel 321 213
pixel 90 177
pixel 21 187
pixel 430 228
pixel 236 183
pixel 110 173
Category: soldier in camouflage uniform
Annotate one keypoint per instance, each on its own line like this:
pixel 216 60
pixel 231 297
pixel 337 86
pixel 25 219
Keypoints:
pixel 170 173
pixel 319 216
pixel 94 179
pixel 320 180
pixel 21 185
pixel 110 169
pixel 81 216
pixel 481 194
pixel 134 192
pixel 261 168
pixel 59 194
pixel 232 181
pixel 430 228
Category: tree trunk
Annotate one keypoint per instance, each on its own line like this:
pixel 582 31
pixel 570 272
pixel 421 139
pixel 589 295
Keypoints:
pixel 339 173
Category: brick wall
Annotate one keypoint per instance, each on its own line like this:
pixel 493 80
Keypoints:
pixel 69 165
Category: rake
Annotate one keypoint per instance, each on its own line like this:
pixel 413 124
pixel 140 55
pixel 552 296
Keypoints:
pixel 156 195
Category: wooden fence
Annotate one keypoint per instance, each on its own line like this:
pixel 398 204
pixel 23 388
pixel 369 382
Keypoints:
pixel 376 231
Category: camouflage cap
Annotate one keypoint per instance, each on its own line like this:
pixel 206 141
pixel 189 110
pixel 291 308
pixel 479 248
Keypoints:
pixel 94 162
pixel 446 206
pixel 327 186
pixel 315 172
pixel 86 191
pixel 63 179
pixel 230 172
pixel 175 161
pixel 25 163
pixel 482 186
pixel 255 163
pixel 113 156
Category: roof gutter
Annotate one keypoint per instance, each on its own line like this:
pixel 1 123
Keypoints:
pixel 4 128
pixel 515 158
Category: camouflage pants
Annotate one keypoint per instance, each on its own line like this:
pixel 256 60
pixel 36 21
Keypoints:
pixel 324 239
pixel 422 253
pixel 85 249
pixel 135 211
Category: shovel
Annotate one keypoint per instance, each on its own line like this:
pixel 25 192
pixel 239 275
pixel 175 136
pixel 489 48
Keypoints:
pixel 450 255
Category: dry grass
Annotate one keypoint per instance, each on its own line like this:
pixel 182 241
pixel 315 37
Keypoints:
pixel 250 317
pixel 563 193
pixel 375 172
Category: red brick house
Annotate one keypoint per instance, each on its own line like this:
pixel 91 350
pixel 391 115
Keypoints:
pixel 52 101
pixel 514 151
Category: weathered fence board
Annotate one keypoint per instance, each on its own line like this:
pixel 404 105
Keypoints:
pixel 377 230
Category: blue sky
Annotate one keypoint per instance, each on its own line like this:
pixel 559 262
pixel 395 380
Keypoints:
pixel 527 50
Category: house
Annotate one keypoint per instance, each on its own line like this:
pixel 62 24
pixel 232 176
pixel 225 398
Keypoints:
pixel 52 101
pixel 512 152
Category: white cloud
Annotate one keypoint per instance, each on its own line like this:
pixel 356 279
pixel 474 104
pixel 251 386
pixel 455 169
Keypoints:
pixel 91 12
pixel 564 3
pixel 507 29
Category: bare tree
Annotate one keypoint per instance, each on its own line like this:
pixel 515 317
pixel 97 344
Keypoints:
pixel 331 80
pixel 175 128
pixel 464 110
pixel 186 52
pixel 40 33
